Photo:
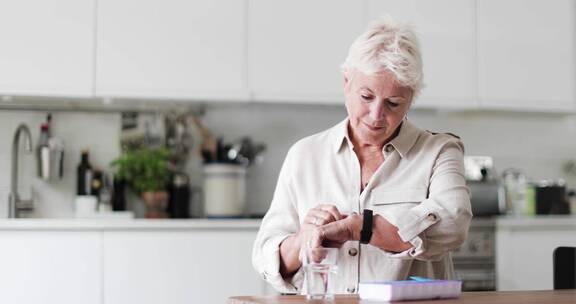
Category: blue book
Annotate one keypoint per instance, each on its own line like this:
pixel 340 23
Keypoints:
pixel 417 288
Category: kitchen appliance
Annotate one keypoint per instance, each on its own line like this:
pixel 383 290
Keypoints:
pixel 475 260
pixel 486 193
pixel 478 168
pixel 550 197
pixel 486 198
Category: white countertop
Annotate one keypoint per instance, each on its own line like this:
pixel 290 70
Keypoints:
pixel 536 222
pixel 501 222
pixel 129 224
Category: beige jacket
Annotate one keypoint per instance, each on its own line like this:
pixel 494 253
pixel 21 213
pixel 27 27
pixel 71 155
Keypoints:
pixel 420 188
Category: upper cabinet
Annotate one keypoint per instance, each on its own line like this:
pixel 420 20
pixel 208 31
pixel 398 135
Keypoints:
pixel 171 49
pixel 296 48
pixel 47 47
pixel 526 54
pixel 488 54
pixel 447 45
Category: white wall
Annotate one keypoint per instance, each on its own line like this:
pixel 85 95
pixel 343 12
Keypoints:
pixel 537 143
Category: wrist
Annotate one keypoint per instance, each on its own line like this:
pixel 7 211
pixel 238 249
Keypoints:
pixel 297 240
pixel 354 226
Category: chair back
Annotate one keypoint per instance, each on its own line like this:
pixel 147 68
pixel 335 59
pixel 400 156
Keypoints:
pixel 564 263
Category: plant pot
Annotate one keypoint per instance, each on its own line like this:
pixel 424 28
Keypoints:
pixel 156 203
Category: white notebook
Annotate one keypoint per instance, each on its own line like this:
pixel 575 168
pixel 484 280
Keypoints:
pixel 415 289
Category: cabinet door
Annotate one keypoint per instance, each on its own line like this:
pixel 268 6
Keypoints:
pixel 524 256
pixel 445 29
pixel 47 47
pixel 297 47
pixel 178 267
pixel 526 54
pixel 171 49
pixel 50 267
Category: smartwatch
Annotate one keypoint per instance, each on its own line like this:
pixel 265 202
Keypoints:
pixel 366 233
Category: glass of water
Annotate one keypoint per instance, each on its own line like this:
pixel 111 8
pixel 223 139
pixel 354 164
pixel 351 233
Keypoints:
pixel 320 271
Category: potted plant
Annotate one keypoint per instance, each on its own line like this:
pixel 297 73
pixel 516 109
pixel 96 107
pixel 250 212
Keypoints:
pixel 146 172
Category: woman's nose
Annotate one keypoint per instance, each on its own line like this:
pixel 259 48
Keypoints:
pixel 377 110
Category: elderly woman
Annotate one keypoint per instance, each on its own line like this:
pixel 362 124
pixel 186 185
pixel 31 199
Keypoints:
pixel 391 196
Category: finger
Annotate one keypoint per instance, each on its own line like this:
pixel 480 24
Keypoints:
pixel 332 210
pixel 324 217
pixel 317 254
pixel 317 217
pixel 313 219
pixel 310 219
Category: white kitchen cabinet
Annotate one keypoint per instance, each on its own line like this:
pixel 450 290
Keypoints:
pixel 171 49
pixel 296 48
pixel 50 267
pixel 524 248
pixel 526 54
pixel 47 47
pixel 445 29
pixel 178 267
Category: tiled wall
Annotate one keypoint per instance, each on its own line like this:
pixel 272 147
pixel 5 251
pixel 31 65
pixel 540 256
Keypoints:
pixel 537 143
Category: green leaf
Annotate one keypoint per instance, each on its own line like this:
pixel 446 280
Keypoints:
pixel 143 169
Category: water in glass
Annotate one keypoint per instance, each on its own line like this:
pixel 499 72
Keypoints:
pixel 320 280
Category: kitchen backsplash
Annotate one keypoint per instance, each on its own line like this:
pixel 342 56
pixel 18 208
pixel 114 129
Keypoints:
pixel 537 143
pixel 98 132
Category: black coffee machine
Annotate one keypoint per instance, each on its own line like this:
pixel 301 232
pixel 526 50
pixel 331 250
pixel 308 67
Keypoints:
pixel 551 198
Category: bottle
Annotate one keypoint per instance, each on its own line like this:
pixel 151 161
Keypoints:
pixel 118 197
pixel 179 196
pixel 515 185
pixel 105 198
pixel 96 183
pixel 84 175
pixel 43 153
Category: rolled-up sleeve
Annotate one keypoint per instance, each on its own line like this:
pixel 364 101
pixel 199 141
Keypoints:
pixel 280 222
pixel 439 223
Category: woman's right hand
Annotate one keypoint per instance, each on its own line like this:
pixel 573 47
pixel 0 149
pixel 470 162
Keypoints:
pixel 322 215
pixel 307 236
pixel 316 217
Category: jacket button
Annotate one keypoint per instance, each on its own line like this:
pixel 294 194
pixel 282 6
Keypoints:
pixel 350 289
pixel 353 251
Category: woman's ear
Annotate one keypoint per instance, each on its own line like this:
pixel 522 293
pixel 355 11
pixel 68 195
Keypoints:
pixel 346 76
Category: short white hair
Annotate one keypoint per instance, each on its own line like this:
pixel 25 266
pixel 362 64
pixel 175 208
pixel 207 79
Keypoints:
pixel 387 45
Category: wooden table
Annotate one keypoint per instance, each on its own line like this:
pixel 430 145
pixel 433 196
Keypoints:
pixel 566 296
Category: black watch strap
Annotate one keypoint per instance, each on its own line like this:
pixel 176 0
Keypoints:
pixel 366 233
